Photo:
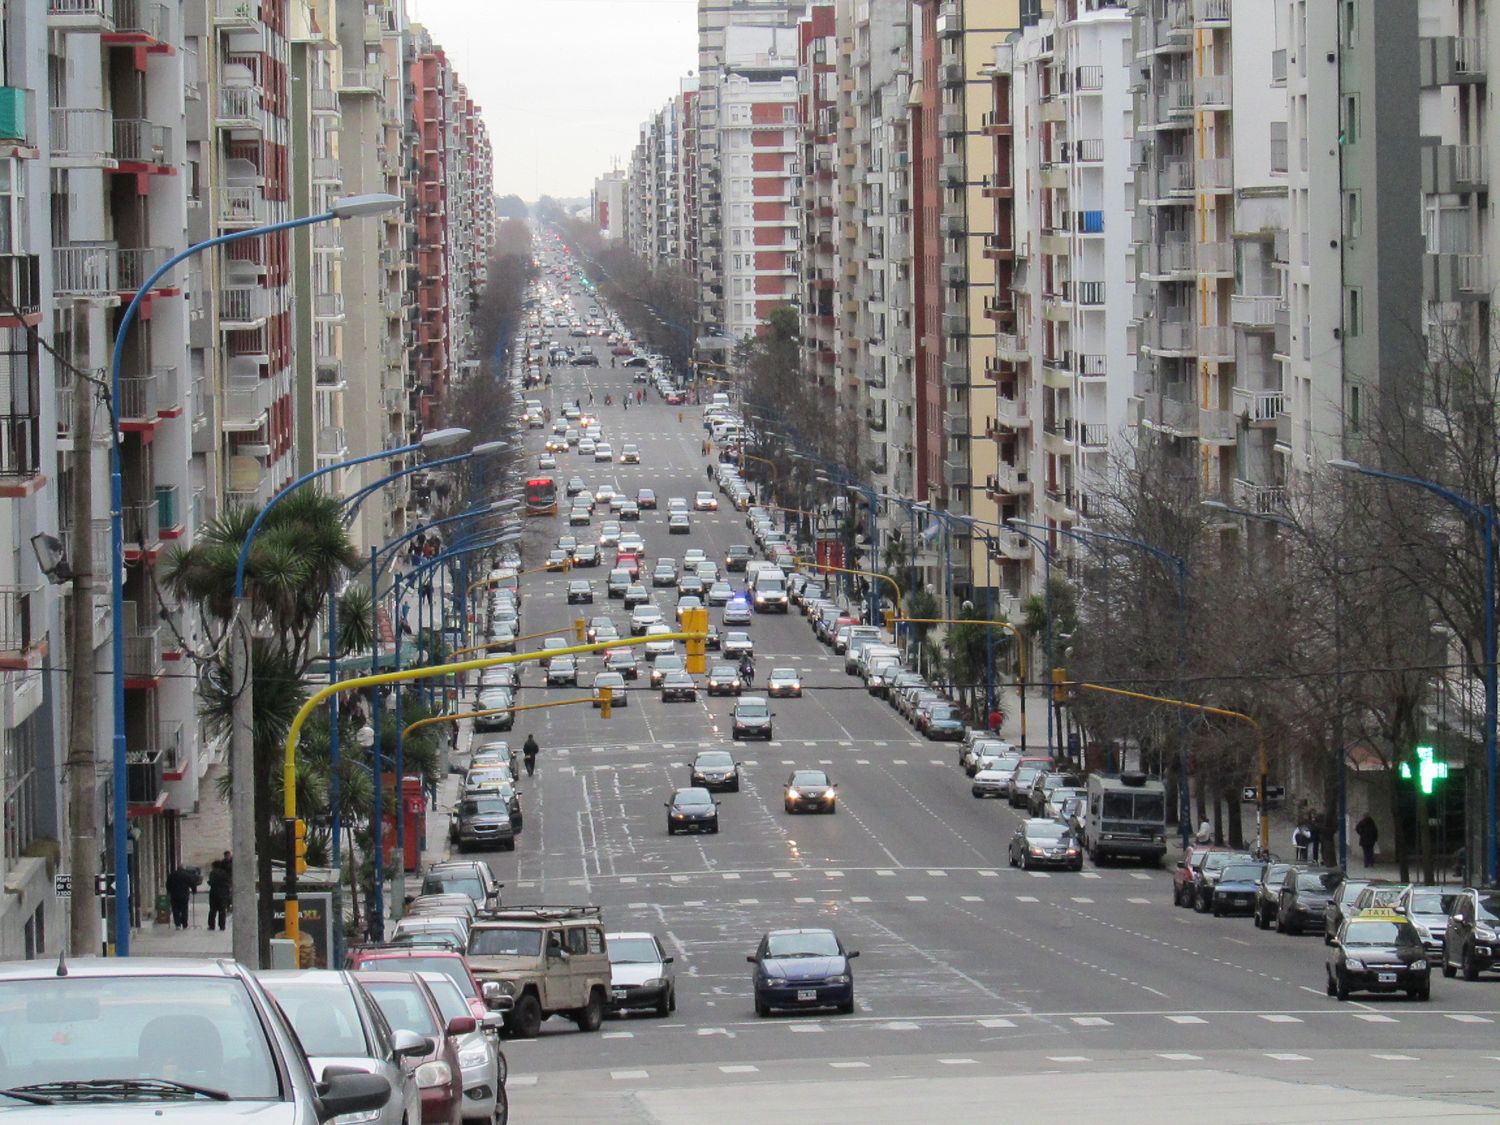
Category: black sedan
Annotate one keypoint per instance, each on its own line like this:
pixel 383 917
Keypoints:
pixel 678 687
pixel 1266 893
pixel 1379 951
pixel 692 810
pixel 716 769
pixel 724 679
pixel 810 791
pixel 1045 843
pixel 803 969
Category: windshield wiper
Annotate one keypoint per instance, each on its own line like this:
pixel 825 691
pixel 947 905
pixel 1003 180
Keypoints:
pixel 115 1089
pixel 30 1099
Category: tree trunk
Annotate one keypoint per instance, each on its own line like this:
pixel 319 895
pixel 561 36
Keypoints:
pixel 1236 817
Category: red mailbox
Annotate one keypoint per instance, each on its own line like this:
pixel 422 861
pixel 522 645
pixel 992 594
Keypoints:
pixel 414 809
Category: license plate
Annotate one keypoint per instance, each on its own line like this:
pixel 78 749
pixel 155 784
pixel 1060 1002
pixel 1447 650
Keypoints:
pixel 807 994
pixel 618 993
pixel 1386 978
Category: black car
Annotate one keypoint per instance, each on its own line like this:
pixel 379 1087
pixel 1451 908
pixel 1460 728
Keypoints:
pixel 692 810
pixel 724 679
pixel 482 819
pixel 1206 873
pixel 580 591
pixel 738 557
pixel 751 718
pixel 1340 906
pixel 1304 897
pixel 1267 892
pixel 716 769
pixel 1045 843
pixel 679 687
pixel 810 791
pixel 587 554
pixel 1236 888
pixel 802 969
pixel 1379 951
pixel 1472 941
pixel 585 359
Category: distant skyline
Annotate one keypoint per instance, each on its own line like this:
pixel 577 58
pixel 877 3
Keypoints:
pixel 564 84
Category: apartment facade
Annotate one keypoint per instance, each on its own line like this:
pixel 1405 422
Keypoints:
pixel 609 207
pixel 824 292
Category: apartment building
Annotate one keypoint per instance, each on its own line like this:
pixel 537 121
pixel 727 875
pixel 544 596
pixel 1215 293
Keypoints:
pixel 716 20
pixel 641 186
pixel 1062 195
pixel 874 228
pixel 760 180
pixel 369 375
pixel 608 205
pixel 824 291
pixel 952 278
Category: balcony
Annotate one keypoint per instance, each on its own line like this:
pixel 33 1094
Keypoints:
pixel 955 324
pixel 326 170
pixel 367 79
pixel 956 422
pixel 243 306
pixel 333 443
pixel 329 375
pixel 1093 435
pixel 1008 479
pixel 139 399
pixel 140 528
pixel 1012 545
pixel 85 270
pixel 1012 413
pixel 955 373
pixel 242 207
pixel 1453 169
pixel 23 621
pixel 82 137
pixel 143 658
pixel 141 21
pixel 242 15
pixel 1257 312
pixel 247 399
pixel 950 20
pixel 328 306
pixel 144 776
pixel 1011 347
pixel 952 172
pixel 951 124
pixel 137 264
pixel 1259 407
pixel 1214 257
pixel 1278 67
pixel 1212 91
pixel 1167 337
pixel 137 141
pixel 323 102
pixel 1215 174
pixel 81 15
pixel 1216 342
pixel 1266 499
pixel 956 474
pixel 239 107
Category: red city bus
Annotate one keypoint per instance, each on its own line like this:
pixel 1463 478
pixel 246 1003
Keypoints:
pixel 541 496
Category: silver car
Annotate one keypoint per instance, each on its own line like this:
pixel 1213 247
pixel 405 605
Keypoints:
pixel 479 1055
pixel 339 1025
pixel 194 1032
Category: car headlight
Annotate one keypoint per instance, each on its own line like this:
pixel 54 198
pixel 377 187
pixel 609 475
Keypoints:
pixel 358 1118
pixel 1038 851
pixel 435 1073
pixel 1484 935
pixel 793 794
pixel 1418 964
pixel 842 978
pixel 654 982
pixel 476 1055
pixel 1355 964
pixel 507 987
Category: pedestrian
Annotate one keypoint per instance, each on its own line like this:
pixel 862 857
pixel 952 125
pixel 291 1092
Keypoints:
pixel 1368 833
pixel 627 402
pixel 611 361
pixel 220 893
pixel 1205 833
pixel 591 398
pixel 995 719
pixel 1314 838
pixel 181 883
pixel 430 785
pixel 1299 843
pixel 529 752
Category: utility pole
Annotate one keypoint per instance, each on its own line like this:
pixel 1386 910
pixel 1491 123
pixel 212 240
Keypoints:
pixel 245 940
pixel 82 767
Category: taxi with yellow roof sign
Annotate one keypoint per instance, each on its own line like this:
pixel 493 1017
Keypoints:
pixel 1378 950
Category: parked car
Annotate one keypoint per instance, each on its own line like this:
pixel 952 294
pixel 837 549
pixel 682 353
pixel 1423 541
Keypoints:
pixel 1471 944
pixel 408 1003
pixel 1235 889
pixel 1304 897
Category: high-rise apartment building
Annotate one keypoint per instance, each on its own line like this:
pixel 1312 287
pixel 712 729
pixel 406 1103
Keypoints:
pixel 609 205
pixel 818 80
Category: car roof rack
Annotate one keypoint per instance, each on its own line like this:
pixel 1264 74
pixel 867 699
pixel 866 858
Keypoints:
pixel 402 947
pixel 538 913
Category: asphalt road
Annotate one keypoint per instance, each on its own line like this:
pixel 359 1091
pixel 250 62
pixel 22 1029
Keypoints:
pixel 968 967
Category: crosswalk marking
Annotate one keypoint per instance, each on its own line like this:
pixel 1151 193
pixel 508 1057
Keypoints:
pixel 1179 1056
pixel 1396 1058
pixel 988 874
pixel 885 874
pixel 1468 1017
pixel 1026 898
pixel 804 899
pixel 1082 898
pixel 859 898
pixel 1140 901
pixel 626 1075
pixel 619 1035
pixel 849 1065
pixel 739 1068
pixel 805 1027
pixel 781 874
pixel 959 1062
pixel 938 873
pixel 996 1023
pixel 1287 1056
pixel 1374 1017
pixel 1187 1019
pixel 916 898
pixel 521 1080
pixel 901 1025
pixel 1092 1021
pixel 731 874
pixel 1279 1017
pixel 1068 1058
pixel 972 898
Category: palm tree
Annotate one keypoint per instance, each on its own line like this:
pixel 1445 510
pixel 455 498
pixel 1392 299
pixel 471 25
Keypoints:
pixel 299 553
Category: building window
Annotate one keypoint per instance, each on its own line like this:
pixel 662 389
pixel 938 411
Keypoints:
pixel 1349 123
pixel 1349 19
pixel 1351 415
pixel 1353 311
pixel 22 790
pixel 1352 218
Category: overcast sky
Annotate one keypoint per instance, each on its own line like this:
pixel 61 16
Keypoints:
pixel 564 84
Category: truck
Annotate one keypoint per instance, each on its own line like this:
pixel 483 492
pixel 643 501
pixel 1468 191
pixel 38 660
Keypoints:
pixel 1126 816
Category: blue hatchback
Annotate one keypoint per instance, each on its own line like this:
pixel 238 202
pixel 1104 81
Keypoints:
pixel 803 969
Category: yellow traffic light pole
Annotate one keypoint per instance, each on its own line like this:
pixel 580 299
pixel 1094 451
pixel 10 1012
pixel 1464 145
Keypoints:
pixel 406 675
pixel 455 716
pixel 814 564
pixel 1223 712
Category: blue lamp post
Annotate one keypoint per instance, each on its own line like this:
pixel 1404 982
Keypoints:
pixel 1481 517
pixel 348 208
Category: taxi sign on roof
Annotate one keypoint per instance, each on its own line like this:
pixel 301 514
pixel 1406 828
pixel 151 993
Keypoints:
pixel 1381 912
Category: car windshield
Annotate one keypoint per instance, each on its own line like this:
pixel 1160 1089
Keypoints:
pixel 1432 902
pixel 809 777
pixel 1217 861
pixel 1380 933
pixel 815 943
pixel 403 1005
pixel 1349 889
pixel 753 710
pixel 204 1031
pixel 456 884
pixel 633 951
pixel 484 806
pixel 505 941
pixel 1318 880
pixel 1489 906
pixel 324 1016
pixel 718 759
pixel 1047 830
pixel 693 797
pixel 1242 873
pixel 783 673
pixel 450 1001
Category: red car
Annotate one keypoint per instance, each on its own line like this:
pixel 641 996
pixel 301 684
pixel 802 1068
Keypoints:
pixel 406 1002
pixel 676 398
pixel 628 560
pixel 1185 874
pixel 418 959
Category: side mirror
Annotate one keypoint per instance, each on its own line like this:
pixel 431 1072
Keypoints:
pixel 493 1021
pixel 851 955
pixel 462 1025
pixel 408 1044
pixel 751 959
pixel 667 960
pixel 346 1091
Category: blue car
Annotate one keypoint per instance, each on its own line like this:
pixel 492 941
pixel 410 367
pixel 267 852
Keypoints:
pixel 803 969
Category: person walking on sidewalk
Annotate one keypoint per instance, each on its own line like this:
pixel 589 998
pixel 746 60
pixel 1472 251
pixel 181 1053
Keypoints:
pixel 220 893
pixel 181 884
pixel 1368 833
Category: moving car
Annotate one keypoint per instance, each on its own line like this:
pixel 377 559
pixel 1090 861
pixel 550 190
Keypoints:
pixel 580 592
pixel 809 791
pixel 692 810
pixel 543 960
pixel 640 974
pixel 784 682
pixel 716 769
pixel 724 679
pixel 630 454
pixel 482 819
pixel 1378 951
pixel 802 969
pixel 1472 941
pixel 705 502
pixel 562 670
pixel 1427 908
pixel 737 644
pixel 751 718
pixel 616 684
pixel 678 687
pixel 1045 843
pixel 678 523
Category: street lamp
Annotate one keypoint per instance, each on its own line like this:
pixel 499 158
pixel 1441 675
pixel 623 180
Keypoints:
pixel 350 207
pixel 1481 517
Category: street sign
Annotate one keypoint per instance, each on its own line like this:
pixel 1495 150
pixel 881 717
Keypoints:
pixel 104 884
pixel 1273 793
pixel 62 884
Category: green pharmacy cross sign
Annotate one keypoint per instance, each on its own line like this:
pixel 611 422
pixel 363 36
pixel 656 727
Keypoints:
pixel 1428 770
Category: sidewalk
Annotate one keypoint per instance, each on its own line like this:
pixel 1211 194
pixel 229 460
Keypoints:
pixel 205 837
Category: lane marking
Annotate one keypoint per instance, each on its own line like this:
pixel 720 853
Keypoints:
pixel 1279 1017
pixel 1092 1021
pixel 916 898
pixel 1468 1017
pixel 959 1062
pixel 521 1080
pixel 804 1027
pixel 901 1025
pixel 1395 1058
pixel 739 1068
pixel 1068 1058
pixel 1187 1019
pixel 1179 1056
pixel 618 1035
pixel 1375 1017
pixel 1287 1056
pixel 627 1075
pixel 1026 898
pixel 849 1065
pixel 996 1023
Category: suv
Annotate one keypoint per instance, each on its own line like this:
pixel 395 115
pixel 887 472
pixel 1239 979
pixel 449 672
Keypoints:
pixel 483 817
pixel 1470 944
pixel 547 960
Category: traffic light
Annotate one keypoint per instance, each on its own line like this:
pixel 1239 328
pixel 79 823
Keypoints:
pixel 889 616
pixel 1062 691
pixel 579 630
pixel 606 700
pixel 696 621
pixel 299 844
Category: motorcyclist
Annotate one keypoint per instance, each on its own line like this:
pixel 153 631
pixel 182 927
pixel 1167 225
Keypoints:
pixel 529 751
pixel 747 669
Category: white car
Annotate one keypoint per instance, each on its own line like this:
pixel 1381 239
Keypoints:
pixel 586 447
pixel 657 646
pixel 705 502
pixel 603 452
pixel 642 617
pixel 677 504
pixel 694 556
